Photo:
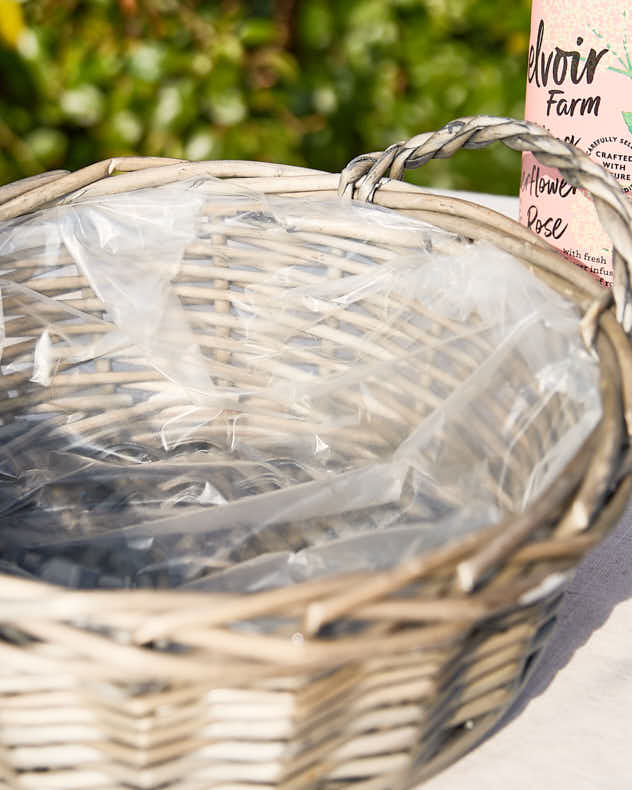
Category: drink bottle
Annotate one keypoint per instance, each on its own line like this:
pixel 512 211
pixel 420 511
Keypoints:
pixel 579 87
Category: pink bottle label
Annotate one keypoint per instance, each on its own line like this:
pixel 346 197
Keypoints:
pixel 579 87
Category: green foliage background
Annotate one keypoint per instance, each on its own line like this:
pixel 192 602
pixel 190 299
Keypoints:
pixel 307 82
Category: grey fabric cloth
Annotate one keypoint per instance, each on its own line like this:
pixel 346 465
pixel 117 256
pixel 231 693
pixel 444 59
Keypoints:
pixel 571 726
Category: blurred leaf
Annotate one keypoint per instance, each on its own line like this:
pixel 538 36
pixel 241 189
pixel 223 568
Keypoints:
pixel 48 146
pixel 17 78
pixel 84 105
pixel 175 106
pixel 227 107
pixel 310 82
pixel 255 32
pixel 146 62
pixel 11 22
pixel 126 128
pixel 316 24
pixel 203 144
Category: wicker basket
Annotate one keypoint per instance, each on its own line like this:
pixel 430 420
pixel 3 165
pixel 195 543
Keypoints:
pixel 94 697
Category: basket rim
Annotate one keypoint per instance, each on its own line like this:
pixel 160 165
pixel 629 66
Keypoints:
pixel 343 592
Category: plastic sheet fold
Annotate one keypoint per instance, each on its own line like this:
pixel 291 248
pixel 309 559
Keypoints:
pixel 207 386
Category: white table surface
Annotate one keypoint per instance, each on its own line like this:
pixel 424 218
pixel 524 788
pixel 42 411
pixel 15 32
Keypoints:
pixel 572 726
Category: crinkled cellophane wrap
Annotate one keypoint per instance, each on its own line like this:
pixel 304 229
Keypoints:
pixel 372 675
pixel 269 392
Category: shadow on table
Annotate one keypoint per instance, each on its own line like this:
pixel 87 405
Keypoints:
pixel 603 580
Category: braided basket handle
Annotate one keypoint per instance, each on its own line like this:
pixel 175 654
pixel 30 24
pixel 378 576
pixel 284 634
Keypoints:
pixel 363 175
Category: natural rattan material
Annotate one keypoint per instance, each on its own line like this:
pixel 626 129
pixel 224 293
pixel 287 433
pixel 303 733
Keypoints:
pixel 367 680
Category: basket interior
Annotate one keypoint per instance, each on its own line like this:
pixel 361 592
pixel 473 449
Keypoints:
pixel 287 347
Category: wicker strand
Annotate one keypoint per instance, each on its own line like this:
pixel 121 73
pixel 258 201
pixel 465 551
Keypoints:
pixel 362 176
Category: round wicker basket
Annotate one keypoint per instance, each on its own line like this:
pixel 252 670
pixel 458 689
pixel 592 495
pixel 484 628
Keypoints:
pixel 164 689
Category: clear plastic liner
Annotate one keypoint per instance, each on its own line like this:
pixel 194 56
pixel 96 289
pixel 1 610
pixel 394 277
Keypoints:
pixel 210 387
